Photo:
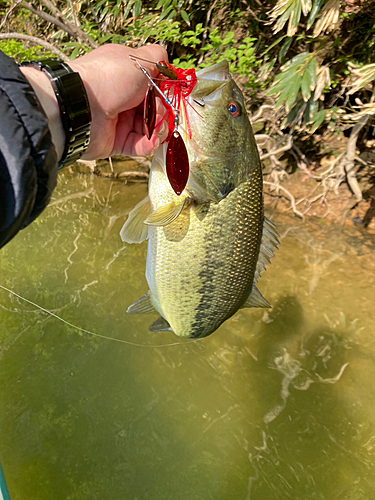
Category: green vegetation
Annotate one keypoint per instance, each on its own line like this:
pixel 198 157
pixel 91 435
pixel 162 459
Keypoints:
pixel 307 65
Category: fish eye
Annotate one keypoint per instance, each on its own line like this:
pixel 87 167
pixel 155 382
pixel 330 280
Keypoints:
pixel 234 108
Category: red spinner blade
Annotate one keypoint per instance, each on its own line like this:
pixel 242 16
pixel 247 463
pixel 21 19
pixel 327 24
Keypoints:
pixel 177 163
pixel 149 111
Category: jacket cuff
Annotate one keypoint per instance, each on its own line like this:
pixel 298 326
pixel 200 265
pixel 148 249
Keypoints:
pixel 28 161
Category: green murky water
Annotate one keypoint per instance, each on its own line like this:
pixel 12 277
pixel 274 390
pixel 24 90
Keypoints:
pixel 274 405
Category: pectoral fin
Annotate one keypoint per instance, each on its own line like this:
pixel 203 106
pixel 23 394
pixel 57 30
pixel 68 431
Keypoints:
pixel 134 230
pixel 160 325
pixel 256 299
pixel 166 214
pixel 142 305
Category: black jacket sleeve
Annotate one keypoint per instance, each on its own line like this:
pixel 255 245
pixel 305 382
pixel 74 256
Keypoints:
pixel 28 163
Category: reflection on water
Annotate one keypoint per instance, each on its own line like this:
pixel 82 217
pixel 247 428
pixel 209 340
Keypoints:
pixel 276 404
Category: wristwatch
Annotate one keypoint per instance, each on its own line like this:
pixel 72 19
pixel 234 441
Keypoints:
pixel 73 103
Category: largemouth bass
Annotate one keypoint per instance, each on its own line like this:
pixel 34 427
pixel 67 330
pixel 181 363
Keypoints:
pixel 207 247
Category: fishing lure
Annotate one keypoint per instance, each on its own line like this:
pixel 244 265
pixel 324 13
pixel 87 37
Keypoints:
pixel 174 90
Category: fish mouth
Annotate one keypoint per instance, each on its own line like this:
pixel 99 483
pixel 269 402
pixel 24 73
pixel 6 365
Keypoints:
pixel 209 80
pixel 218 72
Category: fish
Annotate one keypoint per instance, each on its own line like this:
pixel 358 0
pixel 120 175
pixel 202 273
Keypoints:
pixel 208 246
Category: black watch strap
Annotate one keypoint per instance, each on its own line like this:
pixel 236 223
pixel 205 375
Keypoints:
pixel 74 106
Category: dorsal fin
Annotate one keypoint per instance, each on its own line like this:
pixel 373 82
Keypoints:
pixel 269 243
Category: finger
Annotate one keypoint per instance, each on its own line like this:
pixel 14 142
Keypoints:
pixel 139 125
pixel 154 53
pixel 139 145
pixel 124 127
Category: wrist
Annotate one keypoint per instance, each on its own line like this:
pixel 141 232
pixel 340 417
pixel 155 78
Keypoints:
pixel 41 85
pixel 73 104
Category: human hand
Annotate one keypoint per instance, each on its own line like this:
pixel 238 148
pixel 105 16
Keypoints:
pixel 116 88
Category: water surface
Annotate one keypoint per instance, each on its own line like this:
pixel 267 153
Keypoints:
pixel 276 404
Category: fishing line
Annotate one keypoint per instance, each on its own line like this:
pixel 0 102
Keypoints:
pixel 93 333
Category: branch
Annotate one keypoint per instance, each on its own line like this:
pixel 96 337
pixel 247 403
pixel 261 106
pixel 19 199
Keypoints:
pixel 9 13
pixel 254 118
pixel 74 15
pixel 135 176
pixel 77 32
pixel 274 152
pixel 204 35
pixel 36 41
pixel 349 160
pixel 289 195
pixel 47 17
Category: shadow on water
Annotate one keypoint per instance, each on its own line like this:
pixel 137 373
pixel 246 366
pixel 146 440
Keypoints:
pixel 275 405
pixel 314 436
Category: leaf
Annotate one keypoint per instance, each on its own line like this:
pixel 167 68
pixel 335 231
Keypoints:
pixel 98 5
pixel 283 96
pixel 229 37
pixel 105 38
pixel 306 6
pixel 307 112
pixel 294 19
pixel 273 45
pixel 323 80
pixel 280 8
pixel 185 17
pixel 294 114
pixel 305 86
pixel 286 73
pixel 75 52
pixel 104 12
pixel 171 14
pixel 137 8
pixel 284 48
pixel 165 12
pixel 314 12
pixel 284 81
pixel 318 120
pixel 292 94
pixel 128 8
pixel 365 75
pixel 312 69
pixel 329 16
pixel 164 4
pixel 296 60
pixel 283 19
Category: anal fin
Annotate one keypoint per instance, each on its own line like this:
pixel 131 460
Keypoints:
pixel 160 325
pixel 166 214
pixel 143 305
pixel 255 299
pixel 134 230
